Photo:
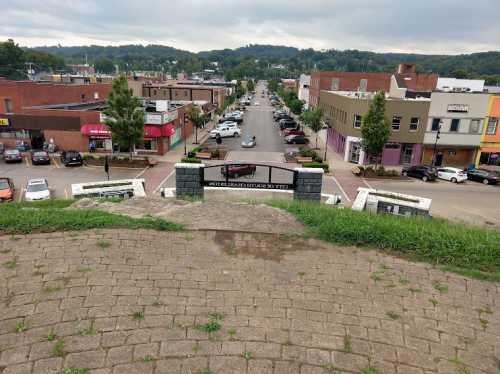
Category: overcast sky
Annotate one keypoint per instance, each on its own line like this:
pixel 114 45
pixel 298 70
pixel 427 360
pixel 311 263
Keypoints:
pixel 422 26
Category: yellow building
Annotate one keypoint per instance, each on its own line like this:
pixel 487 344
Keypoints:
pixel 489 153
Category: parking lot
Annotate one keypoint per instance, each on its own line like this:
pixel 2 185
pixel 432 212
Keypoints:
pixel 469 202
pixel 58 176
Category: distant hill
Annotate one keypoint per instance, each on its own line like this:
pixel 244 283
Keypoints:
pixel 255 60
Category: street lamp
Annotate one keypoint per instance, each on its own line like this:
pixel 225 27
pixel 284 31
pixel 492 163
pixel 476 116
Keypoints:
pixel 438 133
pixel 184 133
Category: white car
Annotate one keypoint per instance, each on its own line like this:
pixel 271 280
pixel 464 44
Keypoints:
pixel 256 103
pixel 37 189
pixel 226 124
pixel 225 132
pixel 453 175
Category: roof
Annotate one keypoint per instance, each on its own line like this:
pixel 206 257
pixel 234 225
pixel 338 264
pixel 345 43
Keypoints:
pixel 452 84
pixel 417 82
pixel 351 81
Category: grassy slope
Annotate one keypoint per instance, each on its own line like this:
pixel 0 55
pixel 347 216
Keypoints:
pixel 48 216
pixel 465 250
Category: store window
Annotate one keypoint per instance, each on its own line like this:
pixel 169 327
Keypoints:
pixel 149 144
pixel 99 143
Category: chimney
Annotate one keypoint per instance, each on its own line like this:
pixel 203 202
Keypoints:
pixel 407 69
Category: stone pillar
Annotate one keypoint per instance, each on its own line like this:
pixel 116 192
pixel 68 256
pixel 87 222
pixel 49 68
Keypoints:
pixel 308 184
pixel 189 180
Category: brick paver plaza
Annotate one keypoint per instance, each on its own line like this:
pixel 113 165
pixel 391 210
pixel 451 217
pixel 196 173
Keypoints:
pixel 118 301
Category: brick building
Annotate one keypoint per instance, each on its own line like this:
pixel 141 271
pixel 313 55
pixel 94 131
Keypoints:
pixel 173 91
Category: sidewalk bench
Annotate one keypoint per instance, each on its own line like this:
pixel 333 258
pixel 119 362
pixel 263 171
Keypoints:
pixel 303 160
pixel 204 155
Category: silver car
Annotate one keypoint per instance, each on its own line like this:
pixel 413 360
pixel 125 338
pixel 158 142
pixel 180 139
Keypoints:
pixel 249 142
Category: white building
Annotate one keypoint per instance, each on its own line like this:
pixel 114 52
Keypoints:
pixel 460 85
pixel 304 83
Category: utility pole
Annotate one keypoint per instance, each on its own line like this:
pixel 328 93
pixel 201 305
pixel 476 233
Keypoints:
pixel 435 144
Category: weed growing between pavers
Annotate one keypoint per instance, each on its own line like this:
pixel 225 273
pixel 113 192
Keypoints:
pixel 73 371
pixel 58 348
pixel 470 251
pixel 21 327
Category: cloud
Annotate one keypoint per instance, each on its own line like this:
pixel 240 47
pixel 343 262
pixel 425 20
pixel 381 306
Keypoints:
pixel 424 26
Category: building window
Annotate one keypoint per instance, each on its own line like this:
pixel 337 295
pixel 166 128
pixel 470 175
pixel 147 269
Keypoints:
pixel 436 124
pixel 396 123
pixel 392 146
pixel 83 96
pixel 96 95
pixel 335 84
pixel 363 85
pixel 455 124
pixel 154 92
pixel 475 126
pixel 357 121
pixel 414 123
pixel 492 126
pixel 7 103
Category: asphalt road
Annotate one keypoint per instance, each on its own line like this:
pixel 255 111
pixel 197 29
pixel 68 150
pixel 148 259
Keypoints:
pixel 58 176
pixel 470 202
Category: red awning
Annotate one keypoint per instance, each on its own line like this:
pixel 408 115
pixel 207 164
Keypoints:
pixel 98 130
pixel 168 129
pixel 152 131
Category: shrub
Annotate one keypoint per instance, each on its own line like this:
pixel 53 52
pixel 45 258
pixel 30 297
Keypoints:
pixel 317 165
pixel 215 154
pixel 191 160
pixel 196 150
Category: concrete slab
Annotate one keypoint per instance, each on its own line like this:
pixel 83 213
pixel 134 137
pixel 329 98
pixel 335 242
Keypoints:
pixel 275 157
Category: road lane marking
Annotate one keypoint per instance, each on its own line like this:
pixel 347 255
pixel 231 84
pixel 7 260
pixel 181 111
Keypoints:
pixel 142 172
pixel 26 159
pixel 55 163
pixel 163 181
pixel 341 189
pixel 366 183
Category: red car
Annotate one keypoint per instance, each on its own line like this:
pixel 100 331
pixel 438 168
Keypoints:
pixel 6 189
pixel 235 171
pixel 296 131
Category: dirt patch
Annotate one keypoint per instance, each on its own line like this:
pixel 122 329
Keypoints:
pixel 205 215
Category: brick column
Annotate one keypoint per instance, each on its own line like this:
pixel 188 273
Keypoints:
pixel 188 180
pixel 309 182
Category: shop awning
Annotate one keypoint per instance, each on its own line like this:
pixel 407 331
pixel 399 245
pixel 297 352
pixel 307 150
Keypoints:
pixel 98 130
pixel 490 149
pixel 168 129
pixel 152 131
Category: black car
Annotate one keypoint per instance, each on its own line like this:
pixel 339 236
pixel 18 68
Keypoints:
pixel 483 176
pixel 287 124
pixel 231 119
pixel 296 139
pixel 71 158
pixel 424 172
pixel 281 116
pixel 40 158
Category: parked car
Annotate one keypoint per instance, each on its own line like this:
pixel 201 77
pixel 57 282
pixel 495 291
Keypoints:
pixel 37 189
pixel 287 124
pixel 225 132
pixel 293 131
pixel 237 119
pixel 12 155
pixel 424 172
pixel 236 171
pixel 453 175
pixel 226 124
pixel 6 189
pixel 40 158
pixel 483 176
pixel 281 116
pixel 296 139
pixel 69 158
pixel 249 142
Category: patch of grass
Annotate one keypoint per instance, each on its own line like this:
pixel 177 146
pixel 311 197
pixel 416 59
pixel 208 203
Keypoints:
pixel 84 269
pixel 404 281
pixel 392 315
pixel 21 327
pixel 369 370
pixel 138 316
pixel 471 250
pixel 247 355
pixel 484 323
pixel 189 237
pixel 103 244
pixel 50 216
pixel 58 348
pixel 202 371
pixel 52 289
pixel 330 369
pixel 433 302
pixel 196 347
pixel 215 316
pixel 111 199
pixel 347 344
pixel 301 274
pixel 148 358
pixel 485 310
pixel 441 287
pixel 210 326
pixel 376 276
pixel 73 371
pixel 231 332
pixel 51 336
pixel 12 264
pixel 415 290
pixel 89 331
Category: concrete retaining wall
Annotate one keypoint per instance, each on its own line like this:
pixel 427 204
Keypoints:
pixel 309 184
pixel 188 180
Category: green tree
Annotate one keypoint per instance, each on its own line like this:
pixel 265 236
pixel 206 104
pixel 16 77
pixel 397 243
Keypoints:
pixel 375 129
pixel 12 61
pixel 314 120
pixel 125 116
pixel 273 85
pixel 250 85
pixel 239 90
pixel 197 118
pixel 104 65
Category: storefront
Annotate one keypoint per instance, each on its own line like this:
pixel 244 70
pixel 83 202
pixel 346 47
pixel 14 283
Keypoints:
pixel 155 141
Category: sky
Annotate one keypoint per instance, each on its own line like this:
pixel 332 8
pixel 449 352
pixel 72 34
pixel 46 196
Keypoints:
pixel 418 26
